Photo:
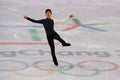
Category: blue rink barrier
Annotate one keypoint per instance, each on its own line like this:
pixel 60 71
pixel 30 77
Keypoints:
pixel 76 21
pixel 89 27
pixel 21 26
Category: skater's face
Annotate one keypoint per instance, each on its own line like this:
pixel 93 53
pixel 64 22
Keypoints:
pixel 48 14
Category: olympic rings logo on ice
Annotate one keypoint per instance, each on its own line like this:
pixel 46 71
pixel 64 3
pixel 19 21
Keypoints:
pixel 85 68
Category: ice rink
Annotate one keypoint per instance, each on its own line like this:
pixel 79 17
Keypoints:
pixel 94 33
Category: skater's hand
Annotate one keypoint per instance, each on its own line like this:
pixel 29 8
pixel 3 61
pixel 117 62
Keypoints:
pixel 71 16
pixel 25 17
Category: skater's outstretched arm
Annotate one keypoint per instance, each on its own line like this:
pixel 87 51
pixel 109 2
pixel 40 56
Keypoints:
pixel 32 20
pixel 63 20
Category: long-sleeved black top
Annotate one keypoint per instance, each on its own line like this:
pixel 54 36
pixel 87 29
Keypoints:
pixel 47 23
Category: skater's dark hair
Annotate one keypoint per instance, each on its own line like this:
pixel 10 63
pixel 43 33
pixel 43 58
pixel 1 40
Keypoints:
pixel 48 10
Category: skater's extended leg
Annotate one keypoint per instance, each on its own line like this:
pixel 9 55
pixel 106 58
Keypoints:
pixel 56 36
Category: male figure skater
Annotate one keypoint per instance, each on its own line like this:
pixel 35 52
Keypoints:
pixel 48 24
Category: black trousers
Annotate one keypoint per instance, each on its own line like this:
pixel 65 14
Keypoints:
pixel 50 39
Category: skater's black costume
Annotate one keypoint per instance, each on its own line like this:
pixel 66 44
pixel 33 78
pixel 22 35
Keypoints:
pixel 51 35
